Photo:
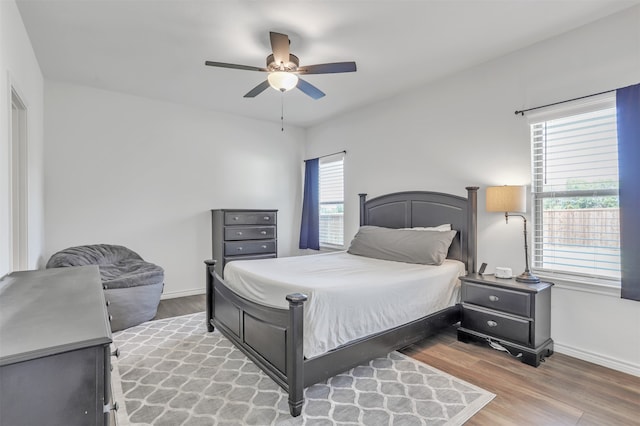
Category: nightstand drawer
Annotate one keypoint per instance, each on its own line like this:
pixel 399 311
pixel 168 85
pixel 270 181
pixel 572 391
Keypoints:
pixel 496 325
pixel 249 247
pixel 513 302
pixel 238 233
pixel 249 218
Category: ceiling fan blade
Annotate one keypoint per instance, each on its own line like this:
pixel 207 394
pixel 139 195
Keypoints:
pixel 234 66
pixel 280 47
pixel 257 90
pixel 309 89
pixel 334 67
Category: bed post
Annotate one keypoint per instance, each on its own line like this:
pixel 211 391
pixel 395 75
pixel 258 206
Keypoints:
pixel 295 357
pixel 210 295
pixel 472 228
pixel 363 200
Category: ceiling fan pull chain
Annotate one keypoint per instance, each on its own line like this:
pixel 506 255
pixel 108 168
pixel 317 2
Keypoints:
pixel 282 111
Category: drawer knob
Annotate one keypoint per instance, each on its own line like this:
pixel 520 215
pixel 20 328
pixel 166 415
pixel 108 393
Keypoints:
pixel 110 318
pixel 263 232
pixel 108 303
pixel 494 298
pixel 491 323
pixel 264 246
pixel 266 218
pixel 116 353
pixel 239 249
pixel 239 233
pixel 236 218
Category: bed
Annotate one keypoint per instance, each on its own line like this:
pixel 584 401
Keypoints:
pixel 272 333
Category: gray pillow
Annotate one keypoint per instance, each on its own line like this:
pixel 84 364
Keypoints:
pixel 402 245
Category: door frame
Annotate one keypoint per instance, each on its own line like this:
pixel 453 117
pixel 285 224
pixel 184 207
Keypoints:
pixel 18 180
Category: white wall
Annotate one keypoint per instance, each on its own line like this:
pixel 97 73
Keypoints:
pixel 462 131
pixel 144 174
pixel 19 69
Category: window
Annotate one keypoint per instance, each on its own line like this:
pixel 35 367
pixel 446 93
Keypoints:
pixel 575 191
pixel 332 201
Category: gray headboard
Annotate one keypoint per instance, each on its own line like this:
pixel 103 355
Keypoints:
pixel 423 208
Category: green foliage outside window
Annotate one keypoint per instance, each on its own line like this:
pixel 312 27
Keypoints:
pixel 331 208
pixel 601 202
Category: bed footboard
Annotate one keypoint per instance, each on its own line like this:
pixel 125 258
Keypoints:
pixel 270 337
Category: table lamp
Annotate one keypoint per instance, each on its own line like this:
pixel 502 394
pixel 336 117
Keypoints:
pixel 506 199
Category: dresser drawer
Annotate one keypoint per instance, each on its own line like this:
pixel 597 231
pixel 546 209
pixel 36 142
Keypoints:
pixel 493 324
pixel 249 247
pixel 239 233
pixel 250 218
pixel 513 302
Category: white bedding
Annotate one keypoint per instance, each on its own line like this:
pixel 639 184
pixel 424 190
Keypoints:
pixel 350 296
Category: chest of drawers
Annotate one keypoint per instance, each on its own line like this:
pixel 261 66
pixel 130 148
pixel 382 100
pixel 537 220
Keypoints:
pixel 517 316
pixel 241 234
pixel 54 351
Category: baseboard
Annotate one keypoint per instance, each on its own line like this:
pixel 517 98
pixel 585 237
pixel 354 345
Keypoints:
pixel 605 361
pixel 174 294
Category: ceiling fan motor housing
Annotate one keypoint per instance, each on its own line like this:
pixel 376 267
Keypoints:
pixel 291 66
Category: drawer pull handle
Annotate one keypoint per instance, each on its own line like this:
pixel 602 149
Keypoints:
pixel 116 353
pixel 494 298
pixel 239 249
pixel 236 218
pixel 263 232
pixel 239 233
pixel 264 246
pixel 110 318
pixel 266 218
pixel 108 303
pixel 492 323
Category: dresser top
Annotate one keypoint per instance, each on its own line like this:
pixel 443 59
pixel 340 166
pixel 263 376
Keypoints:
pixel 50 311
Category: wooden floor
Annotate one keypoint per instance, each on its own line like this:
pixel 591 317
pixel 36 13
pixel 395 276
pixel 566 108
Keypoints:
pixel 181 306
pixel 562 391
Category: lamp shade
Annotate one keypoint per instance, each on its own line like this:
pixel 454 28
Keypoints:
pixel 507 198
pixel 282 81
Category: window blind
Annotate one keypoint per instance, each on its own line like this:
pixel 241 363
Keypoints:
pixel 575 191
pixel 332 202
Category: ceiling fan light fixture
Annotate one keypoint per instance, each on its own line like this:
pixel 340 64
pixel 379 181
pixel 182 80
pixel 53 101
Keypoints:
pixel 282 81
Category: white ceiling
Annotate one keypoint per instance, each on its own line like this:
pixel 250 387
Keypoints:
pixel 157 49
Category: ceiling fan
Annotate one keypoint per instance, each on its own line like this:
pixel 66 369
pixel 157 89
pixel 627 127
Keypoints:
pixel 284 69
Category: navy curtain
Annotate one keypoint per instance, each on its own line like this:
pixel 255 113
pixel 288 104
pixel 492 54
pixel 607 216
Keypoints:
pixel 310 228
pixel 628 110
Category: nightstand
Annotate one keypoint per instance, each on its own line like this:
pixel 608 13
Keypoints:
pixel 515 315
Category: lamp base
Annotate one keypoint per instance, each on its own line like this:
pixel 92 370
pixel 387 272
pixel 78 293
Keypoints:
pixel 527 277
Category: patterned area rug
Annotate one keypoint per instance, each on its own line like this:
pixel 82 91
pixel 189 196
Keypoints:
pixel 172 372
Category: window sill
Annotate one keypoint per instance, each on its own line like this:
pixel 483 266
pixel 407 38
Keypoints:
pixel 327 249
pixel 583 284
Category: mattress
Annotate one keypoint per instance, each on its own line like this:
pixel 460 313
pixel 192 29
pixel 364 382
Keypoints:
pixel 349 296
